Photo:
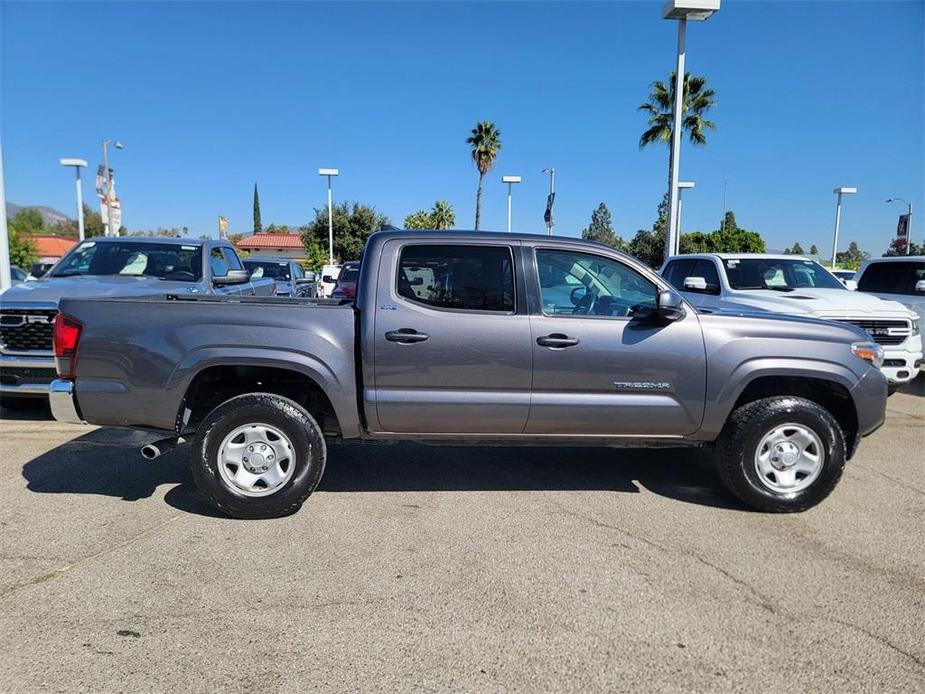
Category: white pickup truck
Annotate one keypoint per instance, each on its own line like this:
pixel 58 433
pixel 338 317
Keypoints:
pixel 799 286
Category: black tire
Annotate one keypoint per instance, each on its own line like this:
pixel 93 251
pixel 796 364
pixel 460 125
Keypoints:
pixel 893 388
pixel 273 410
pixel 738 443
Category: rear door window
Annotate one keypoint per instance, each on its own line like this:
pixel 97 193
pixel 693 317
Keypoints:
pixel 458 277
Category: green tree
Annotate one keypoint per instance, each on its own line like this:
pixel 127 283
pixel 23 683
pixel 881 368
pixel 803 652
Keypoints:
pixel 258 227
pixel 601 228
pixel 729 238
pixel 353 223
pixel 419 220
pixel 93 223
pixel 852 258
pixel 22 248
pixel 696 100
pixel 649 246
pixel 797 249
pixel 27 222
pixel 235 238
pixel 442 215
pixel 813 250
pixel 899 248
pixel 485 143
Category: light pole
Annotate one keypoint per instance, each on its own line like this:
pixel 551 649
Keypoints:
pixel 108 174
pixel 77 164
pixel 908 222
pixel 550 225
pixel 510 180
pixel 839 192
pixel 682 186
pixel 330 173
pixel 681 10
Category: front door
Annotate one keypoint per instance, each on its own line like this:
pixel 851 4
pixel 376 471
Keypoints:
pixel 597 370
pixel 452 341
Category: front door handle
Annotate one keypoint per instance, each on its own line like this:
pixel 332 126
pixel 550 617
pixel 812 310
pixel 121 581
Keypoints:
pixel 406 336
pixel 557 340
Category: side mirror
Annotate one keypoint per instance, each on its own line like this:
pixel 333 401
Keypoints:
pixel 327 279
pixel 920 286
pixel 851 284
pixel 233 277
pixel 38 270
pixel 695 284
pixel 670 305
pixel 417 282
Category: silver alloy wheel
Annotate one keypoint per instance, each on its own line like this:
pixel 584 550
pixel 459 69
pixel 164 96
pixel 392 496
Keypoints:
pixel 256 460
pixel 789 458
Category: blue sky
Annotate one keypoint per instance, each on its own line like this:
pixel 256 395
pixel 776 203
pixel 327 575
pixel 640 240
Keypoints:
pixel 210 97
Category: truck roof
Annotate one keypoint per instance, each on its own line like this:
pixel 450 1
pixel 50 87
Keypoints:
pixel 465 235
pixel 743 256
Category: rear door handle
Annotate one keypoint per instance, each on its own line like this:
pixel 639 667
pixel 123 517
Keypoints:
pixel 406 336
pixel 557 340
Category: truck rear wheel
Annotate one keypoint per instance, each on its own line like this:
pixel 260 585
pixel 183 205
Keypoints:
pixel 781 454
pixel 258 456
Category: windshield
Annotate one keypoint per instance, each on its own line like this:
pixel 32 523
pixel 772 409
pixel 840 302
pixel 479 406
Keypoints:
pixel 273 270
pixel 166 261
pixel 778 274
pixel 349 274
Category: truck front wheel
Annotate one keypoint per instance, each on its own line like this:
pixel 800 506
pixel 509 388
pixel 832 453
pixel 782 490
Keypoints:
pixel 781 454
pixel 258 456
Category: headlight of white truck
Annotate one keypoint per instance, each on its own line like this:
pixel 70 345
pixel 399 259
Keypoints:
pixel 869 351
pixel 915 326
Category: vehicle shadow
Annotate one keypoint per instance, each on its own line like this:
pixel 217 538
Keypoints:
pixel 108 462
pixel 915 387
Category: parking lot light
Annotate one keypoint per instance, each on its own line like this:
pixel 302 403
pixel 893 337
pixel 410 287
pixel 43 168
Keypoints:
pixel 680 10
pixel 330 173
pixel 844 190
pixel 510 180
pixel 77 164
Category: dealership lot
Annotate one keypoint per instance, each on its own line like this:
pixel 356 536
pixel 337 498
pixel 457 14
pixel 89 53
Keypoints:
pixel 465 568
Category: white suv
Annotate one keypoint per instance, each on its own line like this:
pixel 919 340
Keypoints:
pixel 799 286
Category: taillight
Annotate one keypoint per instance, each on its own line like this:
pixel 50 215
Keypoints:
pixel 65 336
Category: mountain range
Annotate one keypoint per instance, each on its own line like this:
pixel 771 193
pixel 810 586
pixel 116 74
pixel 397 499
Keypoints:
pixel 50 215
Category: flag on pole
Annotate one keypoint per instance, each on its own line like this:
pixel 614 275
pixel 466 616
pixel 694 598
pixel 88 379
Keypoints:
pixel 547 216
pixel 902 227
pixel 222 226
pixel 114 202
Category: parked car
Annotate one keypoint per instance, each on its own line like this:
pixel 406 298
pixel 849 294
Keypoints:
pixel 472 350
pixel 288 275
pixel 115 266
pixel 846 277
pixel 329 275
pixel 798 286
pixel 346 287
pixel 900 278
pixel 37 270
pixel 17 274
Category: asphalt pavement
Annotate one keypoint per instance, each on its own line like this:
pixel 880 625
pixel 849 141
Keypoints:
pixel 419 568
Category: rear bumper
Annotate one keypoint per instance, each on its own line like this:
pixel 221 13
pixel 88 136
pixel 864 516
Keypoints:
pixel 63 402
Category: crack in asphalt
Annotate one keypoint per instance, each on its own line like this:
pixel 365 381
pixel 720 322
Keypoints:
pixel 61 570
pixel 886 642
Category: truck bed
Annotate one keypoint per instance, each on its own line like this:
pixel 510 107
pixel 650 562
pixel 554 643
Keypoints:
pixel 139 356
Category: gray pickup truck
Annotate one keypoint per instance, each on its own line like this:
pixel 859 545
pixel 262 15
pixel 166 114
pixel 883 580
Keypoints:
pixel 115 266
pixel 471 337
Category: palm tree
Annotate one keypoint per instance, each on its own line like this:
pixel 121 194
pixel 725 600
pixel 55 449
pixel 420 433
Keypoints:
pixel 698 98
pixel 442 215
pixel 485 142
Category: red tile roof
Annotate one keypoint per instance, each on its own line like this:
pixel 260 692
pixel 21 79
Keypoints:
pixel 53 246
pixel 279 241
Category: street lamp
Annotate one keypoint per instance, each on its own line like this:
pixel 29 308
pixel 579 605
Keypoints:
pixel 510 180
pixel 550 200
pixel 77 164
pixel 682 186
pixel 680 10
pixel 839 192
pixel 908 222
pixel 108 173
pixel 330 173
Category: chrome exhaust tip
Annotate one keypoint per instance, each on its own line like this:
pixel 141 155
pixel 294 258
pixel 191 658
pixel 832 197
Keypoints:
pixel 158 448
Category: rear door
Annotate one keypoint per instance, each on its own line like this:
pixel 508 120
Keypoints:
pixel 452 343
pixel 597 370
